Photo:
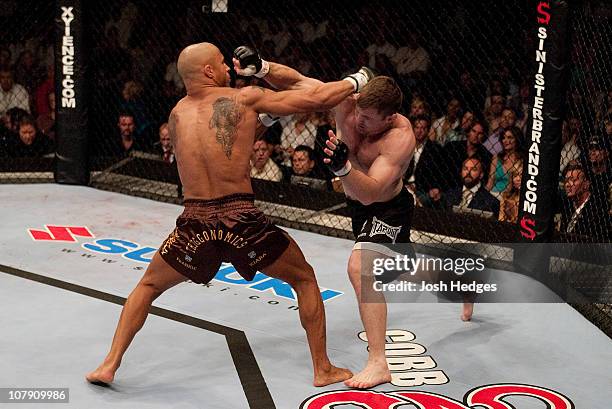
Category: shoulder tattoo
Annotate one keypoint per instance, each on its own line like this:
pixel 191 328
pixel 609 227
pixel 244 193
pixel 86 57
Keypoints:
pixel 225 118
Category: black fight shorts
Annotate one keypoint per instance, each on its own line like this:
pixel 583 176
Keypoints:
pixel 383 226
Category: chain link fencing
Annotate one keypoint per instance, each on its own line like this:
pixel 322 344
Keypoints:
pixel 463 68
pixel 27 129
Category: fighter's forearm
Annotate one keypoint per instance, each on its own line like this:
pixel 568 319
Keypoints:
pixel 361 187
pixel 283 77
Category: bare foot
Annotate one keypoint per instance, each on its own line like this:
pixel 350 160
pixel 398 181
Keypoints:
pixel 103 375
pixel 372 375
pixel 334 375
pixel 468 310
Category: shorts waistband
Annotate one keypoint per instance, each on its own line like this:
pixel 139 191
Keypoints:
pixel 404 194
pixel 219 205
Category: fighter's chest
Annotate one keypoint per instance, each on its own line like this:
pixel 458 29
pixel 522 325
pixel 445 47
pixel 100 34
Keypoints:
pixel 362 151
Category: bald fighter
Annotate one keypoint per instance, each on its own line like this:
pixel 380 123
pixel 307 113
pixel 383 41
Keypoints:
pixel 370 154
pixel 212 130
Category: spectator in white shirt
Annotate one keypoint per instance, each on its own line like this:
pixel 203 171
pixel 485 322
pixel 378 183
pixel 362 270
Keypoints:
pixel 173 76
pixel 311 31
pixel 411 58
pixel 278 35
pixel 12 95
pixel 380 46
pixel 262 166
pixel 570 153
pixel 298 129
pixel 444 125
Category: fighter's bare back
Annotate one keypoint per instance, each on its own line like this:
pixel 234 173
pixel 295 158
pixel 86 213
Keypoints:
pixel 213 137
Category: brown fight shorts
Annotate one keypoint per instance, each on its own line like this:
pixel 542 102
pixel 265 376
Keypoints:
pixel 226 229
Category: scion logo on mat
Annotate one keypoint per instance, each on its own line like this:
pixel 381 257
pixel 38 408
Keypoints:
pixel 135 252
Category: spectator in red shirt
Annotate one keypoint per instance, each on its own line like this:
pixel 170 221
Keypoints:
pixel 46 121
pixel 41 96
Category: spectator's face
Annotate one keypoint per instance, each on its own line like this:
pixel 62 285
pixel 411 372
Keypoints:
pixel 574 126
pixel 5 57
pixel 381 64
pixel 421 129
pixel 301 163
pixel 597 155
pixel 261 153
pixel 126 126
pixel 6 80
pixel 508 141
pixel 565 135
pixel 452 108
pixel 508 118
pixel 516 178
pixel 417 108
pixel 466 79
pixel 370 121
pixel 128 90
pixel 504 71
pixel 497 86
pixel 497 104
pixel 471 173
pixel 467 120
pixel 164 138
pixel 608 125
pixel 27 59
pixel 27 133
pixel 476 134
pixel 575 183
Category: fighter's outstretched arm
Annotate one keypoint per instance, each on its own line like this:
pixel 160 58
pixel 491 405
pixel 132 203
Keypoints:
pixel 319 98
pixel 283 77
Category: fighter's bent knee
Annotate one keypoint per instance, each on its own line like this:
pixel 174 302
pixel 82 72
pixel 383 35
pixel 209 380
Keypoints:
pixel 354 268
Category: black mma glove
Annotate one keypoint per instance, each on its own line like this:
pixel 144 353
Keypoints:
pixel 339 163
pixel 250 62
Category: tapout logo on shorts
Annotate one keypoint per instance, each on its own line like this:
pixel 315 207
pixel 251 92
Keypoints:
pixel 487 396
pixel 135 252
pixel 68 93
pixel 380 227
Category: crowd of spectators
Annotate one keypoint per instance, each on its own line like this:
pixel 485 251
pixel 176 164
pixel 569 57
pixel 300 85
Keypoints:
pixel 27 103
pixel 468 103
